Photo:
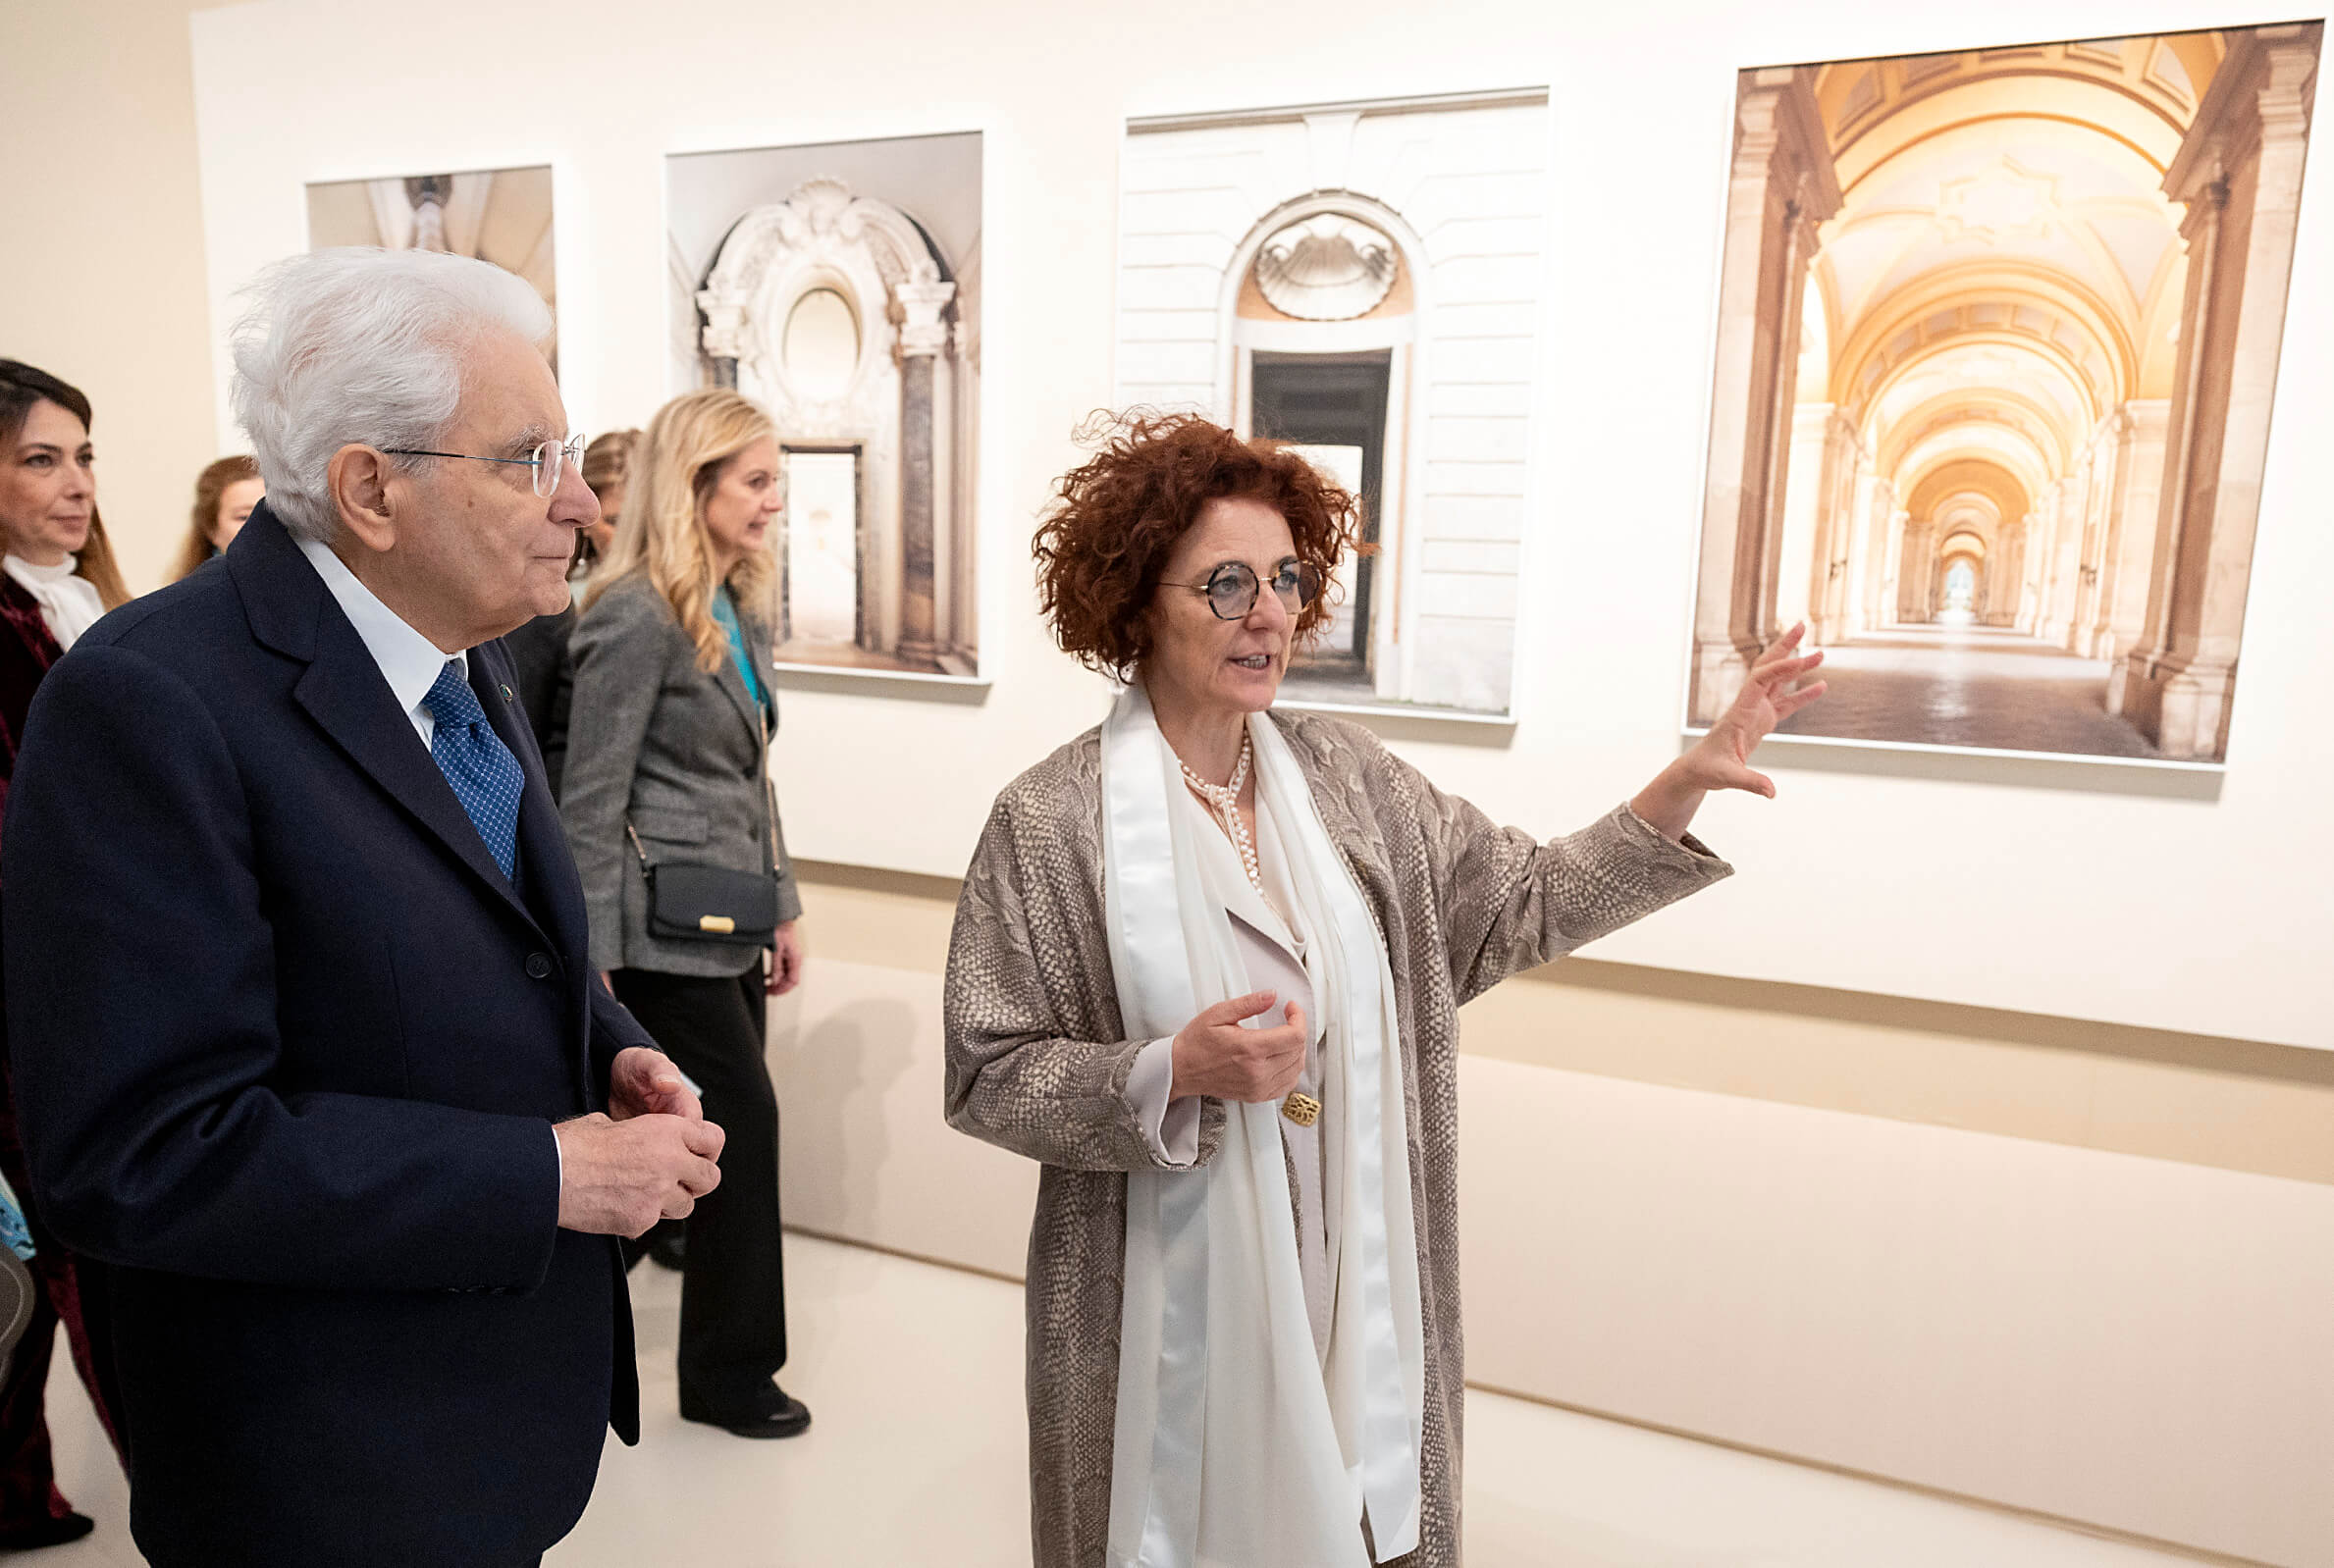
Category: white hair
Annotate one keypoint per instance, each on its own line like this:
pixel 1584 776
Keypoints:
pixel 363 346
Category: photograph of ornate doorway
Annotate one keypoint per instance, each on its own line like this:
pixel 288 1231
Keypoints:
pixel 840 287
pixel 1998 340
pixel 1362 281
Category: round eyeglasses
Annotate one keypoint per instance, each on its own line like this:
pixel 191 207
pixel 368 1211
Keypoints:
pixel 549 461
pixel 1232 589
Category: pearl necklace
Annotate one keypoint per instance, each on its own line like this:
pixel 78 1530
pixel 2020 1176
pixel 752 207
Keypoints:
pixel 1223 803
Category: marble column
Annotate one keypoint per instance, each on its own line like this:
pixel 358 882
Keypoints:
pixel 924 337
pixel 1836 531
pixel 1782 186
pixel 2006 577
pixel 2122 612
pixel 2239 171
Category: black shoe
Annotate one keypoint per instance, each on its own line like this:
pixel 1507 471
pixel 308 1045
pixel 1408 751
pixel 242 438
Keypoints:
pixel 57 1532
pixel 772 1414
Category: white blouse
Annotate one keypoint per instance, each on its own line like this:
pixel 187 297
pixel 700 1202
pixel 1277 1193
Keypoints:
pixel 1278 959
pixel 68 603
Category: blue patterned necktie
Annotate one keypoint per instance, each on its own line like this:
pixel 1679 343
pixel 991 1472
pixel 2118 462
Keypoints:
pixel 486 778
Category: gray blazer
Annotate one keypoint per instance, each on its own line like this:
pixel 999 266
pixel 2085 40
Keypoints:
pixel 652 738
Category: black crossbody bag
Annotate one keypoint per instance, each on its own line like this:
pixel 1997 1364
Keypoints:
pixel 691 901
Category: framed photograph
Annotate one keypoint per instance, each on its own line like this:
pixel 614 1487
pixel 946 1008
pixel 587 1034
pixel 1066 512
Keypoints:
pixel 1362 280
pixel 1996 343
pixel 840 287
pixel 497 214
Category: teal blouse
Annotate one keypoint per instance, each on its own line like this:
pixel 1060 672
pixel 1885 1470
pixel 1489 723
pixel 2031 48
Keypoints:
pixel 726 615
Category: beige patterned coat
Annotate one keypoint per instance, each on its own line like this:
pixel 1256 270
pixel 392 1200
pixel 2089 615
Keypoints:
pixel 1036 1061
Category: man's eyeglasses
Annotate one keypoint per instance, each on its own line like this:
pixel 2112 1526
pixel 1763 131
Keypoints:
pixel 546 461
pixel 1232 589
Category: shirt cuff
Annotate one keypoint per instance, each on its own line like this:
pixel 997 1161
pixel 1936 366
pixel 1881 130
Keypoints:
pixel 1171 1125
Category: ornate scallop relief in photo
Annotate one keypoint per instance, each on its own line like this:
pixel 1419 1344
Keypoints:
pixel 1327 268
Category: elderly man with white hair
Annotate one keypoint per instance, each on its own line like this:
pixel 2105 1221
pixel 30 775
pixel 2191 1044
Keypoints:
pixel 306 1045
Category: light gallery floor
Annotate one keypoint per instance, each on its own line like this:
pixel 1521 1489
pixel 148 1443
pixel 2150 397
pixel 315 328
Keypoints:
pixel 1968 686
pixel 915 1458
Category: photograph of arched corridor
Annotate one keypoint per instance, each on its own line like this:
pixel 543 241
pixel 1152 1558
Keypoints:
pixel 1997 343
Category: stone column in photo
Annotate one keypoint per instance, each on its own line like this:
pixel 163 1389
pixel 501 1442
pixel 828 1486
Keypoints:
pixel 2005 575
pixel 2239 171
pixel 922 340
pixel 2130 545
pixel 1916 573
pixel 1796 569
pixel 1836 521
pixel 2063 505
pixel 1782 184
pixel 2101 463
pixel 1896 531
pixel 1868 565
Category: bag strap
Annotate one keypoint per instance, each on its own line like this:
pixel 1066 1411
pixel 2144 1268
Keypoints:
pixel 769 794
pixel 636 849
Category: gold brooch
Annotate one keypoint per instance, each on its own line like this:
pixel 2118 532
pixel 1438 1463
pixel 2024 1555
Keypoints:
pixel 1301 1109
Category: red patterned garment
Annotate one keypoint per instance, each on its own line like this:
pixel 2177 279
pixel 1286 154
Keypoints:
pixel 27 651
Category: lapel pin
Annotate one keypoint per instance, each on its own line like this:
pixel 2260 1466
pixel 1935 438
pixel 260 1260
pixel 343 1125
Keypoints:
pixel 507 697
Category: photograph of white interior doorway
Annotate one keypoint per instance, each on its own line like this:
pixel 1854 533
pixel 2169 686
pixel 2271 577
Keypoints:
pixel 838 286
pixel 1996 345
pixel 497 214
pixel 1363 280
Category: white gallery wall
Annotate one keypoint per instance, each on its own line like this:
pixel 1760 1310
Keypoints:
pixel 2187 902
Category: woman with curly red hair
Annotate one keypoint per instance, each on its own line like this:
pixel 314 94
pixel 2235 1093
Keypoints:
pixel 1207 969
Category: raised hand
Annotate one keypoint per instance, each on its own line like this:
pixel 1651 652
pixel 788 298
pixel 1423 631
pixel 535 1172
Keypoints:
pixel 1770 693
pixel 1217 1055
pixel 1720 760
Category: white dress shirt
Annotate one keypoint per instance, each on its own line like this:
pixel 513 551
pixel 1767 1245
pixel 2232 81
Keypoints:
pixel 68 603
pixel 409 660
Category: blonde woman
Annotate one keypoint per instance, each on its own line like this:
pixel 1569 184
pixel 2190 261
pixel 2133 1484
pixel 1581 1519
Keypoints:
pixel 693 909
pixel 225 493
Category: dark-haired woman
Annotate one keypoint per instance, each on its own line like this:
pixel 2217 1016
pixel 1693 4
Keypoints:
pixel 1207 968
pixel 225 493
pixel 57 578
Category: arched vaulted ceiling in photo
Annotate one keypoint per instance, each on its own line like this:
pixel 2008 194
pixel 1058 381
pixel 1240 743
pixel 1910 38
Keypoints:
pixel 2006 269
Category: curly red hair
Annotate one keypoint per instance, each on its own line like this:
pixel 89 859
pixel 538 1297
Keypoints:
pixel 1115 518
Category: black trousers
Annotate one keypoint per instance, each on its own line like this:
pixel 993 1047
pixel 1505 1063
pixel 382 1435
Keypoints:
pixel 733 1291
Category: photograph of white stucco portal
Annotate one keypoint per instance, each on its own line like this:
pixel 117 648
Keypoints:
pixel 1998 340
pixel 1362 280
pixel 497 214
pixel 840 287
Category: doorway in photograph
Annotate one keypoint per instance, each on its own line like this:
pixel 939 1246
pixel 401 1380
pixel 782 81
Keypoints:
pixel 819 604
pixel 1331 409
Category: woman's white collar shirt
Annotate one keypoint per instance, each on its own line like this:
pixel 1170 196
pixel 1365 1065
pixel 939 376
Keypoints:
pixel 68 603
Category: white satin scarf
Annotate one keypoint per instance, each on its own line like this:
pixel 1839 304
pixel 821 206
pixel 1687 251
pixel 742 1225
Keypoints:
pixel 1236 1446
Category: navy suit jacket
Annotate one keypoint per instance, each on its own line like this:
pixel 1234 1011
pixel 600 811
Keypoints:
pixel 287 1047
